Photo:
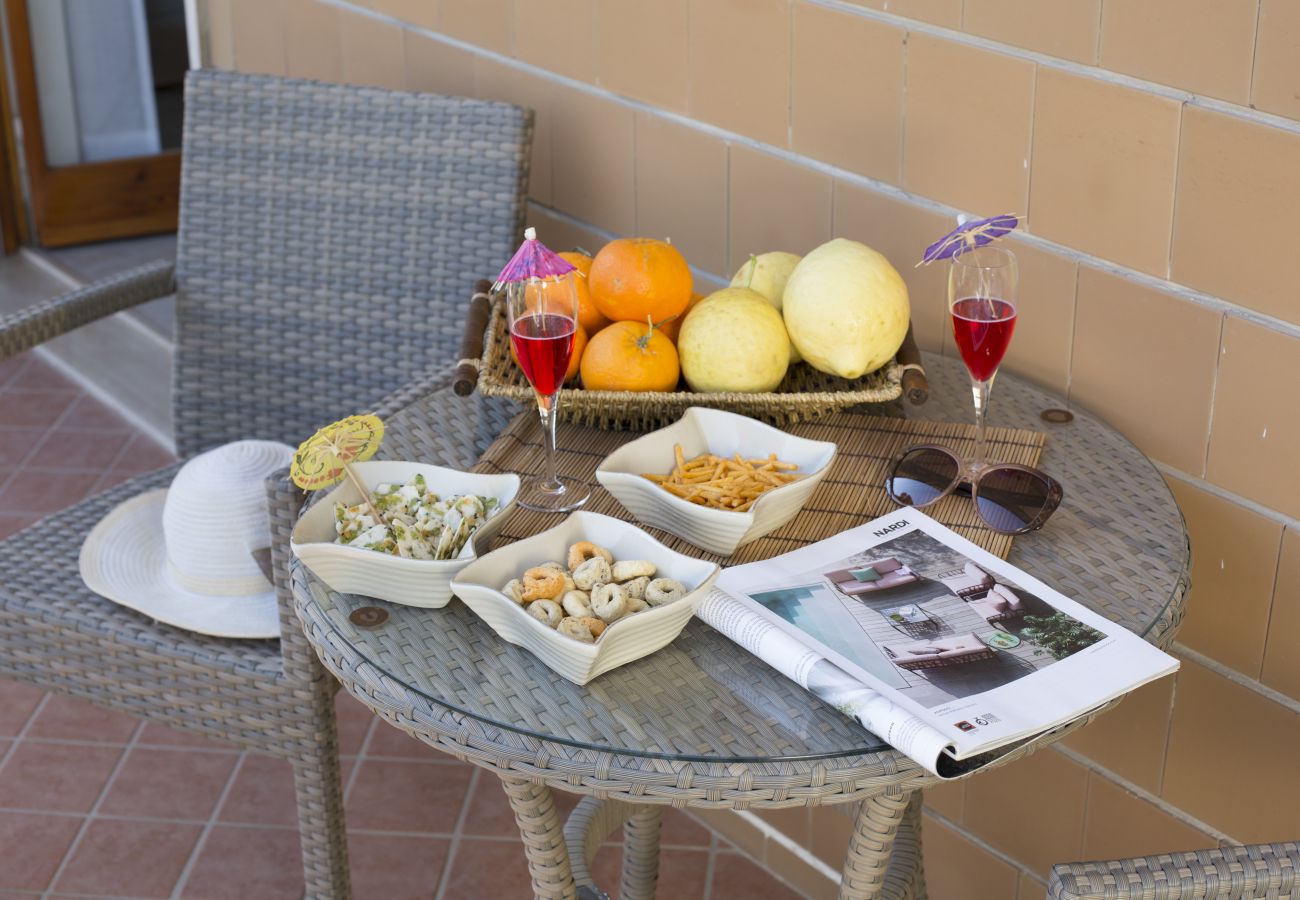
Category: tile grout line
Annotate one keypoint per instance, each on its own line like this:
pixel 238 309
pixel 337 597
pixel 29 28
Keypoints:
pixel 710 867
pixel 90 816
pixel 22 732
pixel 1095 768
pixel 444 877
pixel 49 429
pixel 1240 679
pixel 182 880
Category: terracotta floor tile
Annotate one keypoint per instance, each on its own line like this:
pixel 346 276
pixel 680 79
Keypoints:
pixel 111 479
pixel 396 868
pixel 68 718
pixel 169 784
pixel 90 413
pixel 407 796
pixel 354 721
pixel 9 368
pixel 388 741
pixel 46 492
pixel 12 523
pixel 158 735
pixel 44 839
pixel 144 455
pixel 56 777
pixel 136 859
pixel 736 877
pixel 489 869
pixel 262 793
pixel 490 814
pixel 35 409
pixel 42 376
pixel 270 866
pixel 17 702
pixel 71 448
pixel 16 444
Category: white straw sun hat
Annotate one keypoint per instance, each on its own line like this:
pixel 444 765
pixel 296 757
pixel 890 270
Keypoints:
pixel 184 555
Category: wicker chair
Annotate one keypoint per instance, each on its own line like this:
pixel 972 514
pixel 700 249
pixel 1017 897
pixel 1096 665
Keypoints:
pixel 1262 870
pixel 329 235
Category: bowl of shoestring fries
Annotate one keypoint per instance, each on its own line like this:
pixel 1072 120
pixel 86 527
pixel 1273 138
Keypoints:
pixel 716 479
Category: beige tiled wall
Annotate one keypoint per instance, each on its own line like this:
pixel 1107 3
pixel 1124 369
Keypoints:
pixel 1154 146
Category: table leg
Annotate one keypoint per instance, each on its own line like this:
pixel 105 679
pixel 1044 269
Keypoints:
pixel 641 853
pixel 884 856
pixel 543 836
pixel 592 822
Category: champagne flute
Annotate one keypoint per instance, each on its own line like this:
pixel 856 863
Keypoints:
pixel 543 316
pixel 982 288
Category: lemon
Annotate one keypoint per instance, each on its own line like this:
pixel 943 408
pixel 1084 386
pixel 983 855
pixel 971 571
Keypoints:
pixel 846 309
pixel 733 340
pixel 766 274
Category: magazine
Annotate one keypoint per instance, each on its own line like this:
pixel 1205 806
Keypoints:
pixel 946 652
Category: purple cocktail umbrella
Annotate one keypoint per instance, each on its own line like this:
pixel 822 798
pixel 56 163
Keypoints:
pixel 969 236
pixel 533 259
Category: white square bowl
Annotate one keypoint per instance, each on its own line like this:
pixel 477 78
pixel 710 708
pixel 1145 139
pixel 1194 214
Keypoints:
pixel 411 582
pixel 479 585
pixel 722 433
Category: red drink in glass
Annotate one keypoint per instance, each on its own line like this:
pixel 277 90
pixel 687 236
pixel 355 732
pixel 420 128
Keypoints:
pixel 544 344
pixel 982 328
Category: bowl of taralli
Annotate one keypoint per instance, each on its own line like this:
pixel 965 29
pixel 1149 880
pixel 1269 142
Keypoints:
pixel 715 478
pixel 586 596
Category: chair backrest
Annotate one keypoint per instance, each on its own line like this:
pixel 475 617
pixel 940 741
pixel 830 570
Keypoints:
pixel 330 237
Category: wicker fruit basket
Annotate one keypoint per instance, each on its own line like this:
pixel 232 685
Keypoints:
pixel 804 394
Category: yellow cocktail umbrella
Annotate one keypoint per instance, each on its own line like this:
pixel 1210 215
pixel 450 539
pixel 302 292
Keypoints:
pixel 325 458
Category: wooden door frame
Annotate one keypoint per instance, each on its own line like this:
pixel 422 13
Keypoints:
pixel 89 201
pixel 13 218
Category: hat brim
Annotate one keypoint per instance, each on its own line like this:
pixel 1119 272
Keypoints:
pixel 124 558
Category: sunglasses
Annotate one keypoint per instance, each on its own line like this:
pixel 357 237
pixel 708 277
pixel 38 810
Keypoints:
pixel 1010 498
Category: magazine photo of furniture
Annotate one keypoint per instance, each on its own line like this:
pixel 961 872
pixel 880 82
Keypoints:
pixel 877 575
pixel 952 650
pixel 933 615
pixel 999 604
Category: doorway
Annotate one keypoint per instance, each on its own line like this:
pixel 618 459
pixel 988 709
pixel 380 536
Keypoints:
pixel 98 89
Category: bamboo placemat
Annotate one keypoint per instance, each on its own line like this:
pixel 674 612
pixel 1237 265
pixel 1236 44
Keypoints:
pixel 852 493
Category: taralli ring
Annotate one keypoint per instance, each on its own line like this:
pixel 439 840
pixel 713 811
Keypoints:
pixel 591 573
pixel 627 569
pixel 609 602
pixel 514 589
pixel 542 583
pixel 664 590
pixel 547 611
pixel 576 603
pixel 582 551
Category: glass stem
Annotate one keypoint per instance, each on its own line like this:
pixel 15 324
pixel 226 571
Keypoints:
pixel 546 409
pixel 980 393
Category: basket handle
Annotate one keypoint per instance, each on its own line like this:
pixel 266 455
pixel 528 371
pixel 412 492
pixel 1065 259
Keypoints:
pixel 915 385
pixel 471 345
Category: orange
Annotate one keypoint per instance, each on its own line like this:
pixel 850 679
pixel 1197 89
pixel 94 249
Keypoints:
pixel 589 317
pixel 673 327
pixel 632 278
pixel 575 358
pixel 630 356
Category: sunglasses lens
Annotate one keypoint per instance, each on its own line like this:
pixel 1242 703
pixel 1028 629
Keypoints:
pixel 921 476
pixel 1011 499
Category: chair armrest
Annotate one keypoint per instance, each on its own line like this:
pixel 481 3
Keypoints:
pixel 422 385
pixel 1222 872
pixel 59 315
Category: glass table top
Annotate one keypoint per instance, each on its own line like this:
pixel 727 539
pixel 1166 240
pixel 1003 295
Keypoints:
pixel 1117 544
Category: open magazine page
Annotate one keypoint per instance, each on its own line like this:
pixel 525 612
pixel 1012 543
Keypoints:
pixel 958 648
pixel 812 671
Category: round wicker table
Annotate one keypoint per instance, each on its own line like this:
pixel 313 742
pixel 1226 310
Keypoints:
pixel 702 723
